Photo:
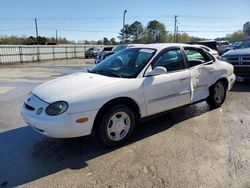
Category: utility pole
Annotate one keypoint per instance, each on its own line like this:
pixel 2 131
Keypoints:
pixel 37 38
pixel 56 37
pixel 123 33
pixel 176 34
pixel 175 24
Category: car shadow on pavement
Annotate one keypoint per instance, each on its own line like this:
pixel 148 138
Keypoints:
pixel 241 87
pixel 26 156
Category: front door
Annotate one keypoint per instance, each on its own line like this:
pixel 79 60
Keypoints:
pixel 170 90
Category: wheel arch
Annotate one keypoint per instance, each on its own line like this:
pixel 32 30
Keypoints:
pixel 224 80
pixel 131 103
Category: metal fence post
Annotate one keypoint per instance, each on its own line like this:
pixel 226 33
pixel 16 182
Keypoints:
pixel 20 54
pixel 0 55
pixel 38 53
pixel 75 51
pixel 53 51
pixel 66 52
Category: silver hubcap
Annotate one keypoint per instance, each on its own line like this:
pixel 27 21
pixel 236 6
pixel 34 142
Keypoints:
pixel 118 126
pixel 219 92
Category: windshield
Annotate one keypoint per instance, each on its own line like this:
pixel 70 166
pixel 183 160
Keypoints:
pixel 245 44
pixel 126 63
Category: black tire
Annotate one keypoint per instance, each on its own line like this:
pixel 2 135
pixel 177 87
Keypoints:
pixel 86 57
pixel 104 124
pixel 215 99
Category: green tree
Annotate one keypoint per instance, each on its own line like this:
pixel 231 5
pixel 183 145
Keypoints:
pixel 105 41
pixel 136 31
pixel 99 42
pixel 126 32
pixel 156 31
pixel 112 41
pixel 86 42
pixel 236 36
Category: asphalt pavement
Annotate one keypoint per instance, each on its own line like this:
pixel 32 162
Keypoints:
pixel 195 146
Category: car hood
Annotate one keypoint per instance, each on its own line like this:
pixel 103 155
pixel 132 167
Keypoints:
pixel 74 85
pixel 238 52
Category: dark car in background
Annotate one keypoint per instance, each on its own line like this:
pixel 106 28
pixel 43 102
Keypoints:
pixel 221 46
pixel 240 59
pixel 91 52
pixel 101 55
pixel 115 49
pixel 233 46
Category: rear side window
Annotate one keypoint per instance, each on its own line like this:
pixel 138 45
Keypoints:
pixel 210 57
pixel 196 57
pixel 171 59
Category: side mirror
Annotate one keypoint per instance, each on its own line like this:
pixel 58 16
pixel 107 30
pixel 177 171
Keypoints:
pixel 157 71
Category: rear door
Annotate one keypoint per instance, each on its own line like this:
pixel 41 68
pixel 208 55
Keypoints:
pixel 201 70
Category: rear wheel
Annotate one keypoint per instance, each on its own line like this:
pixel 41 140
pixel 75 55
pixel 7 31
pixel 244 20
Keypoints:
pixel 116 126
pixel 217 94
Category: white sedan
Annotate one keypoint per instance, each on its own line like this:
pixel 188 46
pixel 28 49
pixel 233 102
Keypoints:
pixel 131 85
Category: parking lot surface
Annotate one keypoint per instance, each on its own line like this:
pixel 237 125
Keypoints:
pixel 192 147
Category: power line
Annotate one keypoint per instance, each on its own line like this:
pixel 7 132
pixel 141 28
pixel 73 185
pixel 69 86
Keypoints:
pixel 16 29
pixel 79 30
pixel 208 31
pixel 89 18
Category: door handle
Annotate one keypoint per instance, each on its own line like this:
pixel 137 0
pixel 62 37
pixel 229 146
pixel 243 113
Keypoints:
pixel 184 78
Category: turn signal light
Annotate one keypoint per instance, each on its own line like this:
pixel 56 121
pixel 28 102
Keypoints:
pixel 82 120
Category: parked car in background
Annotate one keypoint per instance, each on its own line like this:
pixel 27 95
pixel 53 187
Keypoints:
pixel 240 59
pixel 209 43
pixel 107 100
pixel 113 51
pixel 102 54
pixel 212 52
pixel 221 45
pixel 233 46
pixel 91 52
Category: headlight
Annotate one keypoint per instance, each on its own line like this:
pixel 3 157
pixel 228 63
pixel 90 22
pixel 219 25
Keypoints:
pixel 57 108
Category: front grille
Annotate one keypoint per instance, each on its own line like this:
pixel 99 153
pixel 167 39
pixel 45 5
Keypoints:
pixel 245 60
pixel 29 107
pixel 242 71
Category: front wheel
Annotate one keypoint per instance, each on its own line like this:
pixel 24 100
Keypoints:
pixel 116 126
pixel 217 94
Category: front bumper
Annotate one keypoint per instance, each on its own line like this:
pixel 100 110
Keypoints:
pixel 61 126
pixel 242 73
pixel 231 80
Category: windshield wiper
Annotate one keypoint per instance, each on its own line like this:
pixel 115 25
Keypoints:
pixel 105 72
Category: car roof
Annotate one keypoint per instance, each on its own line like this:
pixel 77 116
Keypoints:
pixel 161 46
pixel 202 46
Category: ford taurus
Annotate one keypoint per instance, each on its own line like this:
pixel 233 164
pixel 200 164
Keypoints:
pixel 132 84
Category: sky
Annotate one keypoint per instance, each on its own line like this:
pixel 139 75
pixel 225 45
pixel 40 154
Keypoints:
pixel 80 20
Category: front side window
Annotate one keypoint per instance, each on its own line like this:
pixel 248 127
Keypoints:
pixel 171 59
pixel 127 63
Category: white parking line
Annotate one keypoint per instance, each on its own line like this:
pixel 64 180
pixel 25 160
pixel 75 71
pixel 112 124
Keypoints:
pixel 5 89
